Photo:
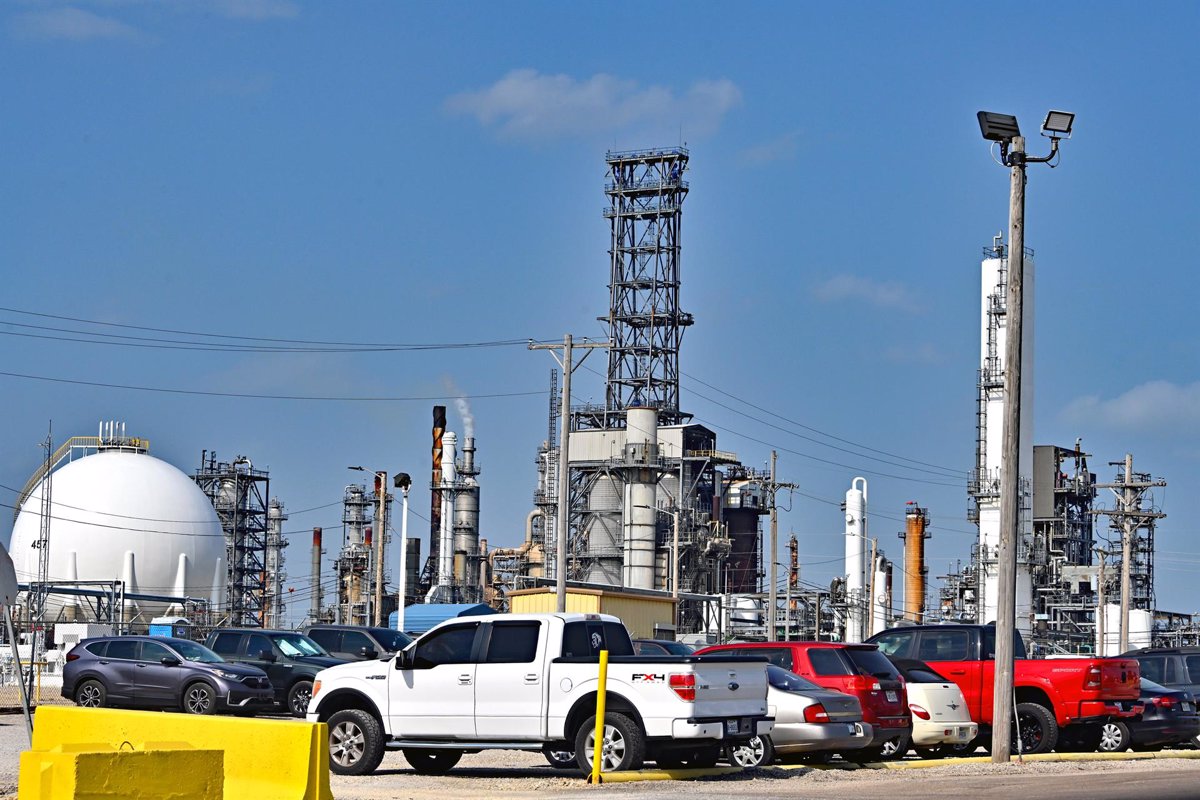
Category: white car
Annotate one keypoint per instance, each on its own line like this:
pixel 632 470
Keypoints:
pixel 809 720
pixel 941 724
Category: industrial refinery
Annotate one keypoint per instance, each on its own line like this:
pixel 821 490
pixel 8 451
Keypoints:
pixel 632 497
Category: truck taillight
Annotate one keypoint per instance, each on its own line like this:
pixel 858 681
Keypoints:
pixel 684 685
pixel 816 713
pixel 917 711
pixel 1092 681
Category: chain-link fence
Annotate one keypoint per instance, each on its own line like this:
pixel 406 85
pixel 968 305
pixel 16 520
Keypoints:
pixel 42 679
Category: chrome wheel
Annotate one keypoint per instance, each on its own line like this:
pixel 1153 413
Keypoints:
pixel 198 700
pixel 90 695
pixel 751 754
pixel 299 697
pixel 347 743
pixel 1114 737
pixel 612 749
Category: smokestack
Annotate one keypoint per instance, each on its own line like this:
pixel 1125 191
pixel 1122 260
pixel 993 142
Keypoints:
pixel 316 575
pixel 916 520
pixel 435 496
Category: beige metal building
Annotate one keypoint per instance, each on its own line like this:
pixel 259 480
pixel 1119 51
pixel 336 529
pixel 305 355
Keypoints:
pixel 647 615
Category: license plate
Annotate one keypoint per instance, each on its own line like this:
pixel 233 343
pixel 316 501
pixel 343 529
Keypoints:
pixel 731 726
pixel 892 697
pixel 1187 706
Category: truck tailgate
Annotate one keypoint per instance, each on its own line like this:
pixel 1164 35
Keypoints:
pixel 1119 678
pixel 729 686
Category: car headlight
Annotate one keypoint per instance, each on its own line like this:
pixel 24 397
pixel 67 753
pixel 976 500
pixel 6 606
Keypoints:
pixel 232 676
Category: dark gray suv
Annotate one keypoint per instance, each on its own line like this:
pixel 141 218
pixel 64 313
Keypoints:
pixel 161 672
pixel 358 642
pixel 291 660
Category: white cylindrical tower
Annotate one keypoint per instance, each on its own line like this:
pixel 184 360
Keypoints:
pixel 880 594
pixel 446 540
pixel 641 481
pixel 856 536
pixel 990 439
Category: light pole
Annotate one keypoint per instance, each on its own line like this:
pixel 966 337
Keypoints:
pixel 1003 128
pixel 402 482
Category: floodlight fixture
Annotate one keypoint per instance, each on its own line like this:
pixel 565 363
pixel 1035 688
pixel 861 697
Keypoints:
pixel 1058 124
pixel 998 127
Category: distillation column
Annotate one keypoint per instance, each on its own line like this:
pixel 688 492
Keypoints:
pixel 916 521
pixel 856 537
pixel 641 482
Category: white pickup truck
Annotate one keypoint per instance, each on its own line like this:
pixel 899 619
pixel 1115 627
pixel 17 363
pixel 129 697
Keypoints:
pixel 529 682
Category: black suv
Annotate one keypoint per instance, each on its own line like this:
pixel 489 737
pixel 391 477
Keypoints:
pixel 1173 667
pixel 161 672
pixel 358 642
pixel 291 660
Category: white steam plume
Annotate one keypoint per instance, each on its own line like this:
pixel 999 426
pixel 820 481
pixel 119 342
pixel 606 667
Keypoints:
pixel 462 406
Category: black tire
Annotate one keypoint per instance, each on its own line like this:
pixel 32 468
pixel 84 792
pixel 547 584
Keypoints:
pixel 758 752
pixel 560 759
pixel 431 762
pixel 91 694
pixel 1039 729
pixel 1078 739
pixel 1114 737
pixel 199 698
pixel 894 749
pixel 298 697
pixel 623 747
pixel 355 742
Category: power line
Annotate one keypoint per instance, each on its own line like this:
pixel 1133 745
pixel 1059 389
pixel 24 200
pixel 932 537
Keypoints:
pixel 245 395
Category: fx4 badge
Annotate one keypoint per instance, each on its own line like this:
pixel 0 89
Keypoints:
pixel 648 677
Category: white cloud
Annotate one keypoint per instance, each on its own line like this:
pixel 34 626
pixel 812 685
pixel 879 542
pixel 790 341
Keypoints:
pixel 530 105
pixel 781 148
pixel 1153 406
pixel 71 23
pixel 882 294
pixel 256 9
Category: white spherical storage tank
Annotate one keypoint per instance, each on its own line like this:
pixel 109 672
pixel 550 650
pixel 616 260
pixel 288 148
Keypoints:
pixel 120 515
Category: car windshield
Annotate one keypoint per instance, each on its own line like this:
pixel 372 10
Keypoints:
pixel 391 641
pixel 786 681
pixel 295 644
pixel 872 662
pixel 190 651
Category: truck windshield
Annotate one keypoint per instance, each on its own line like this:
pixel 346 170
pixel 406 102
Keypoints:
pixel 295 644
pixel 872 662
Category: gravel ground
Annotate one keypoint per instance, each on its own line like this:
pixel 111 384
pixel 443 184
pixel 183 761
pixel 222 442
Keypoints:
pixel 513 775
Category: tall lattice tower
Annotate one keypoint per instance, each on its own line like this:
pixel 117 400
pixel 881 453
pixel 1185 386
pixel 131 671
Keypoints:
pixel 645 189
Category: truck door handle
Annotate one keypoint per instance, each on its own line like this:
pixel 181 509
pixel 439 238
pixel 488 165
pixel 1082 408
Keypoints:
pixel 464 680
pixel 532 677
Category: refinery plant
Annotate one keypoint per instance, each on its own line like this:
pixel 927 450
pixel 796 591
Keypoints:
pixel 643 496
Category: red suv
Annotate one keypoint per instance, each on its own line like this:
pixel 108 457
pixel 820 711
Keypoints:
pixel 857 669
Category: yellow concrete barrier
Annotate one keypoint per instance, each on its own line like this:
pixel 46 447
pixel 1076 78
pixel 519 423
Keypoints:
pixel 63 774
pixel 263 758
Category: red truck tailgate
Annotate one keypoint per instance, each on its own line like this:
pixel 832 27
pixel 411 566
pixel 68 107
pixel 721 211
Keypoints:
pixel 1119 678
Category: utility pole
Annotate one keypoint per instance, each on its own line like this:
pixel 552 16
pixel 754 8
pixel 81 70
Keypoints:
pixel 1006 610
pixel 1003 128
pixel 564 451
pixel 1101 633
pixel 1128 518
pixel 381 497
pixel 772 589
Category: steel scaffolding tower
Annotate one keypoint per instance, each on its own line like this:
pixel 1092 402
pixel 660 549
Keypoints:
pixel 645 192
pixel 239 493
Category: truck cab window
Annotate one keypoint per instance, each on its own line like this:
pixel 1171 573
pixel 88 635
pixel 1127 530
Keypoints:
pixel 448 646
pixel 513 643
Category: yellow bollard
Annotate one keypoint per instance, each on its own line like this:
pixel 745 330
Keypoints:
pixel 598 742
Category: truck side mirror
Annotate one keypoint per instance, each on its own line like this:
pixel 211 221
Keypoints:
pixel 266 655
pixel 404 659
pixel 368 653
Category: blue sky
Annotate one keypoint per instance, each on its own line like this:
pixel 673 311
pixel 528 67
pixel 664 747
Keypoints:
pixel 415 173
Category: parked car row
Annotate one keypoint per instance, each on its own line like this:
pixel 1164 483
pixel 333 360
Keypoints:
pixel 234 671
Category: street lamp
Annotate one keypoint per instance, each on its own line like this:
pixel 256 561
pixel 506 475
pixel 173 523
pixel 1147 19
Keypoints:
pixel 402 482
pixel 1003 128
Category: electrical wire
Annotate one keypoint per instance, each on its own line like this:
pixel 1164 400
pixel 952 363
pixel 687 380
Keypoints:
pixel 250 396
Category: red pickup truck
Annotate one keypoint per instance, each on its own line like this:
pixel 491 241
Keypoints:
pixel 1061 703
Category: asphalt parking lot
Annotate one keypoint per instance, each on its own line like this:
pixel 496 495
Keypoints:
pixel 515 776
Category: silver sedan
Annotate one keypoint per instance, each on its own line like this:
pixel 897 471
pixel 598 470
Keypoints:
pixel 809 720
